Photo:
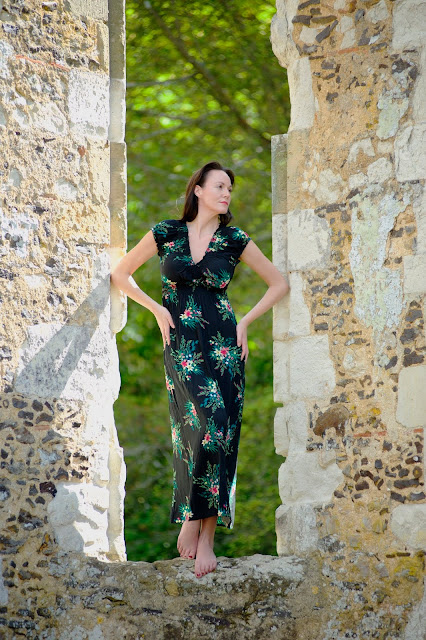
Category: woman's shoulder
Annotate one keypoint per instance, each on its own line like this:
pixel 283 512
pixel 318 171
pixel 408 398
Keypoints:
pixel 164 227
pixel 237 233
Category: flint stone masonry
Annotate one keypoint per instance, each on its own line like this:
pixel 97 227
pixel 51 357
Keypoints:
pixel 349 227
pixel 349 347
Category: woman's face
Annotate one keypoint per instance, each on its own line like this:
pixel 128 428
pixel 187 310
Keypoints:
pixel 215 194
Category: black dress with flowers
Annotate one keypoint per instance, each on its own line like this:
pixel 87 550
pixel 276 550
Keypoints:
pixel 203 369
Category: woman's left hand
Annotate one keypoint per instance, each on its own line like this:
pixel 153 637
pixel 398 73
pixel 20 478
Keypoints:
pixel 242 339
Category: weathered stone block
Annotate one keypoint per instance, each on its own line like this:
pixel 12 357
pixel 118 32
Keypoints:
pixel 296 527
pixel 281 435
pixel 88 104
pixel 415 274
pixel 97 9
pixel 300 317
pixel 411 407
pixel 408 523
pixel 281 380
pixel 279 173
pixel 303 480
pixel 79 516
pixel 311 368
pixel 410 153
pixel 408 23
pixel 308 240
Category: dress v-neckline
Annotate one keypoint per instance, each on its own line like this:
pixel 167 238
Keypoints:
pixel 208 246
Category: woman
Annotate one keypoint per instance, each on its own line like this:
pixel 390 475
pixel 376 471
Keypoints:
pixel 205 350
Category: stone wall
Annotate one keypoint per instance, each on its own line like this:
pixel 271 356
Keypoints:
pixel 348 188
pixel 349 217
pixel 62 141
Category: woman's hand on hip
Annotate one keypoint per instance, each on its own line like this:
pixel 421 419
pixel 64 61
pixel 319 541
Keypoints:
pixel 242 339
pixel 165 321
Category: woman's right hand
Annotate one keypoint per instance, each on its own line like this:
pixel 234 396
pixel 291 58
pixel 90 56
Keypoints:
pixel 165 321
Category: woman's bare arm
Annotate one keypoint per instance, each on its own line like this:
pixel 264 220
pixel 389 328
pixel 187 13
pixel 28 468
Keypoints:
pixel 121 277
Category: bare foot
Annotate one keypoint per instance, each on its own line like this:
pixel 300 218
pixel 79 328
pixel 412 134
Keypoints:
pixel 188 538
pixel 205 561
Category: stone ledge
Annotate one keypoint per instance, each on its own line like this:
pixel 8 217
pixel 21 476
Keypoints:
pixel 250 597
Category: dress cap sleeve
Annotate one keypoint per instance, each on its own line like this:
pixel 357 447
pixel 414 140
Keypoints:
pixel 239 239
pixel 163 232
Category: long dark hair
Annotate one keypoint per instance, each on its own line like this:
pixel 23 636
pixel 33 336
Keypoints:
pixel 190 208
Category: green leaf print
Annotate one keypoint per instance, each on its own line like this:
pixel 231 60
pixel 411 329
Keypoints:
pixel 213 397
pixel 169 385
pixel 217 242
pixel 239 234
pixel 187 359
pixel 226 355
pixel 169 289
pixel 192 314
pixel 174 246
pixel 185 512
pixel 210 483
pixel 189 459
pixel 176 438
pixel 217 280
pixel 191 417
pixel 213 437
pixel 224 307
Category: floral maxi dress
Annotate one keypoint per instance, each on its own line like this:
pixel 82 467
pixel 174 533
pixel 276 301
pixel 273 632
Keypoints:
pixel 203 370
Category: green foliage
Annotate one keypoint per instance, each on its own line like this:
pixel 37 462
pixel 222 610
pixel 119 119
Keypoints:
pixel 203 84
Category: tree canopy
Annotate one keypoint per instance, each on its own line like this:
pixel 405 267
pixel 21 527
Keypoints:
pixel 202 84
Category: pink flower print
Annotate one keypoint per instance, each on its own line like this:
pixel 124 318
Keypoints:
pixel 184 363
pixel 214 489
pixel 224 351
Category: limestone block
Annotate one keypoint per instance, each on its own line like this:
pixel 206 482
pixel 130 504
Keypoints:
pixel 410 153
pixel 6 51
pixel 378 289
pixel 281 316
pixel 97 9
pixel 419 102
pixel 296 529
pixel 88 103
pixel 416 628
pixel 281 437
pixel 301 478
pixel 409 19
pixel 311 368
pixel 279 242
pixel 118 110
pixel 391 112
pixel 98 157
pixel 79 517
pixel 300 316
pixel 419 208
pixel 68 361
pixel 408 524
pixel 378 12
pixel 308 240
pixel 380 170
pixel 411 407
pixel 47 116
pixel 279 173
pixel 415 274
pixel 301 94
pixel 296 420
pixel 282 41
pixel 281 381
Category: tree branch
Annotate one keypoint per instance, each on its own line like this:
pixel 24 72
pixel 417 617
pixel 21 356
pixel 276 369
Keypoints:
pixel 219 93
